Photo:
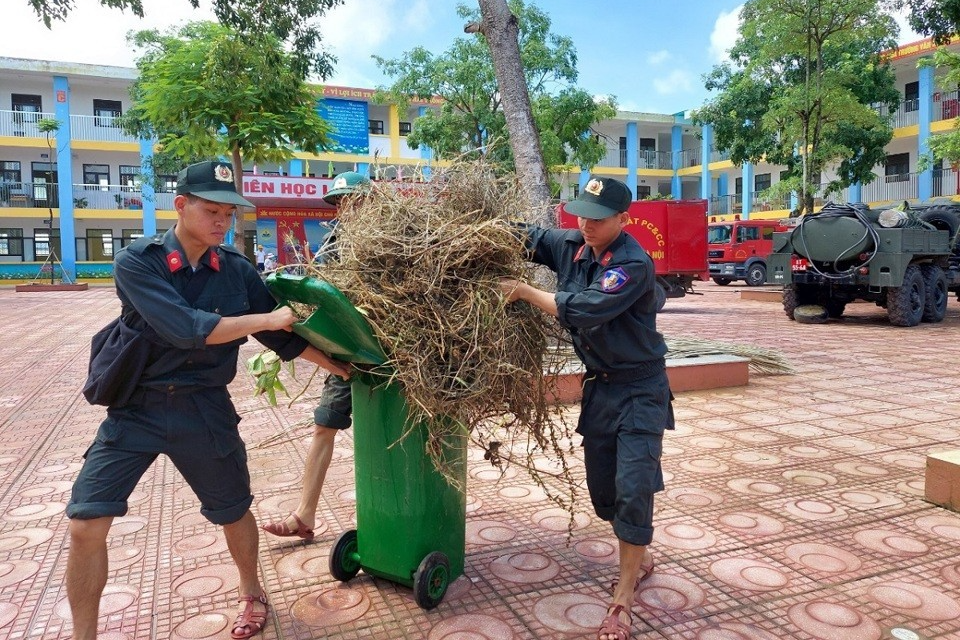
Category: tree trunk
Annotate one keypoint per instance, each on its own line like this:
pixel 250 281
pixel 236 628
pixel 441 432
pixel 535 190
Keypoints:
pixel 239 224
pixel 502 32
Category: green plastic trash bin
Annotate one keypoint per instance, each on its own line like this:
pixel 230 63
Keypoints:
pixel 411 522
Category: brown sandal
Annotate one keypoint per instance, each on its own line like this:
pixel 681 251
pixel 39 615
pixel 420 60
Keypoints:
pixel 249 622
pixel 612 625
pixel 281 530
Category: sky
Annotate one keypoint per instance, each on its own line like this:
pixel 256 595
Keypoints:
pixel 651 55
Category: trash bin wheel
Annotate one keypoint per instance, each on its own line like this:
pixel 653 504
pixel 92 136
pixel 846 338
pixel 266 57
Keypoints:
pixel 343 562
pixel 431 580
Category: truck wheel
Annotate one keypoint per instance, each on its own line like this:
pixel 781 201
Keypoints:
pixel 722 281
pixel 661 296
pixel 795 296
pixel 835 308
pixel 905 303
pixel 343 556
pixel 431 580
pixel 756 275
pixel 935 293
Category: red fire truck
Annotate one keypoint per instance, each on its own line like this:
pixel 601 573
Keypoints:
pixel 738 250
pixel 674 233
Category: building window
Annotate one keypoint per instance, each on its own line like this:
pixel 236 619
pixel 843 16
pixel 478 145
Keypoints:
pixel 129 235
pixel 106 112
pixel 643 191
pixel 11 242
pixel 45 240
pixel 99 244
pixel 10 171
pixel 911 96
pixel 26 107
pixel 405 128
pixel 761 182
pixel 896 167
pixel 376 126
pixel 45 193
pixel 97 174
pixel 129 177
pixel 167 183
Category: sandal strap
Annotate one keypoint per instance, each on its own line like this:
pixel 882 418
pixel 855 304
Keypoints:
pixel 300 524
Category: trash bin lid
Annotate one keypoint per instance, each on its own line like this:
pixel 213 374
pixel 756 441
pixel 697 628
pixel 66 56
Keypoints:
pixel 336 327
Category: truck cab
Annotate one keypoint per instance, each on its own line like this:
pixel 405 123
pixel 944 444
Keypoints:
pixel 738 250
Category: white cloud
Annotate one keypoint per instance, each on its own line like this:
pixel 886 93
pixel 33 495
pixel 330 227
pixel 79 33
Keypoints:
pixel 724 34
pixel 658 57
pixel 677 81
pixel 907 34
pixel 92 34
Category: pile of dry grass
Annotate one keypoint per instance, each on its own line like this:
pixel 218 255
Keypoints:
pixel 422 261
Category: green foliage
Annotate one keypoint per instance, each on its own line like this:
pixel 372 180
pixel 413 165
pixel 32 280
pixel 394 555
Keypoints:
pixel 265 368
pixel 291 21
pixel 471 117
pixel 937 18
pixel 205 90
pixel 800 88
pixel 48 125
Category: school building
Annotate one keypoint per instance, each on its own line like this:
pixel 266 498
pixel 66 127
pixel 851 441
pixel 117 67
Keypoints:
pixel 77 191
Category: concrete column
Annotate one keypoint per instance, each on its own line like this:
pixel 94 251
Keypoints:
pixel 295 168
pixel 856 192
pixel 676 144
pixel 146 187
pixel 394 122
pixel 426 153
pixel 633 145
pixel 747 174
pixel 63 150
pixel 706 147
pixel 364 168
pixel 925 178
pixel 584 179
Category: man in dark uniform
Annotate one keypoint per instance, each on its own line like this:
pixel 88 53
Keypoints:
pixel 333 412
pixel 605 298
pixel 181 406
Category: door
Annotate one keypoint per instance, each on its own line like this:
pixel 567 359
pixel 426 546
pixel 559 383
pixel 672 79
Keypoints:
pixel 44 184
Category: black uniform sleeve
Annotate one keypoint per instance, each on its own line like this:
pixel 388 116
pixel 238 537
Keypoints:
pixel 140 280
pixel 285 344
pixel 615 291
pixel 545 246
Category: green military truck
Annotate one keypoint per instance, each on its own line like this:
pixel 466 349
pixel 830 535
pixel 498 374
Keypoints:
pixel 905 260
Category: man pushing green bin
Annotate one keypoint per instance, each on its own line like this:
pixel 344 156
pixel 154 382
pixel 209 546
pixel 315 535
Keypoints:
pixel 411 521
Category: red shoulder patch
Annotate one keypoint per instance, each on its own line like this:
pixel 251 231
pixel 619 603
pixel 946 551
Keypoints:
pixel 607 257
pixel 174 261
pixel 579 253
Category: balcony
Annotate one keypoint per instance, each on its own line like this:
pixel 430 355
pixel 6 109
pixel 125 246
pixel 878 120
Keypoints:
pixel 93 196
pixel 28 195
pixel 90 128
pixel 98 129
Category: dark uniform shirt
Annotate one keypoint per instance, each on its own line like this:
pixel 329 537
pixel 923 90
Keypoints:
pixel 151 275
pixel 607 304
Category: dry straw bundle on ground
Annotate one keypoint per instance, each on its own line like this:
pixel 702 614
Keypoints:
pixel 422 261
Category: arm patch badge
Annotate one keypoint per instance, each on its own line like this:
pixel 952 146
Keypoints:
pixel 613 280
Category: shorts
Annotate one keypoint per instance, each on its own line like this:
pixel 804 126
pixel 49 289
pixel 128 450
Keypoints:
pixel 336 404
pixel 197 431
pixel 622 425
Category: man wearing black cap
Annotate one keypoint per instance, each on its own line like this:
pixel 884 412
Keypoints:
pixel 606 299
pixel 198 300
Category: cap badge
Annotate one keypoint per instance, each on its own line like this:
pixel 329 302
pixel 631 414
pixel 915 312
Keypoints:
pixel 223 173
pixel 340 183
pixel 594 187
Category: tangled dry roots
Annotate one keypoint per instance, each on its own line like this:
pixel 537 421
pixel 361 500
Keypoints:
pixel 423 261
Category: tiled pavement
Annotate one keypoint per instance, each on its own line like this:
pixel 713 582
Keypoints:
pixel 793 506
